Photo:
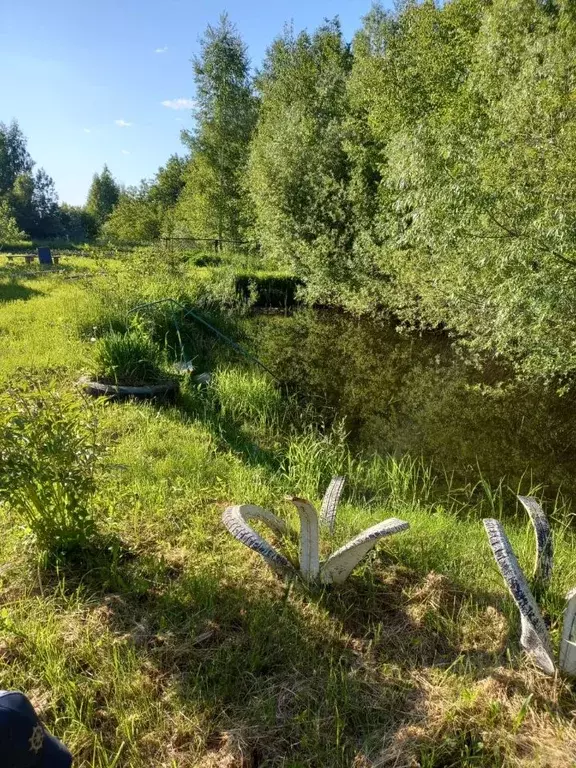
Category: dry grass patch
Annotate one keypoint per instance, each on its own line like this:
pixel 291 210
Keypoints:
pixel 493 721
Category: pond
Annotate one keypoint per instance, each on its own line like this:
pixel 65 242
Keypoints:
pixel 414 394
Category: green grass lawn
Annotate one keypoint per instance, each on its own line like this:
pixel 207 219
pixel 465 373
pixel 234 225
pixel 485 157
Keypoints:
pixel 169 644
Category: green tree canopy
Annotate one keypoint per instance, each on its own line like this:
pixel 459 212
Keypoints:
pixel 136 218
pixel 15 159
pixel 9 232
pixel 471 117
pixel 169 182
pixel 103 196
pixel 213 202
pixel 299 171
pixel 29 196
pixel 76 223
pixel 34 203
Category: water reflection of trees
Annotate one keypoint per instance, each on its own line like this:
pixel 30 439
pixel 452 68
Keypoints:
pixel 412 394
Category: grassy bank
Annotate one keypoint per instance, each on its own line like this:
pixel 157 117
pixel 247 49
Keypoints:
pixel 168 644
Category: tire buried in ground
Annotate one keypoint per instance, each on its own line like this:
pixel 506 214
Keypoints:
pixel 165 390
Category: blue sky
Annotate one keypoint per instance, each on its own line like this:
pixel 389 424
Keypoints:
pixel 86 79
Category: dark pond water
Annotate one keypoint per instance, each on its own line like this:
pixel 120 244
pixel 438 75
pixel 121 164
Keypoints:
pixel 414 394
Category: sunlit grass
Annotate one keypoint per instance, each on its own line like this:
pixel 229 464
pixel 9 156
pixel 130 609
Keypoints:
pixel 247 396
pixel 169 644
pixel 37 330
pixel 131 357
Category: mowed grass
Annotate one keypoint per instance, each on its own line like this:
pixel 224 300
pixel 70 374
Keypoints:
pixel 169 644
pixel 40 311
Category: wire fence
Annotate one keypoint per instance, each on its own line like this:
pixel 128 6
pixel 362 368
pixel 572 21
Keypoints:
pixel 214 244
pixel 190 243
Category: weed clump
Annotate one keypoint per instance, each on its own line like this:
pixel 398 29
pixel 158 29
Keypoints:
pixel 247 396
pixel 129 357
pixel 49 453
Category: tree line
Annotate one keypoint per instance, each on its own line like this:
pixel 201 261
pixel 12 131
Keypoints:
pixel 427 167
pixel 29 207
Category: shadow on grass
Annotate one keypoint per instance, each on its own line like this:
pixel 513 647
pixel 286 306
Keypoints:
pixel 21 271
pixel 236 439
pixel 277 675
pixel 253 660
pixel 229 433
pixel 14 291
pixel 410 617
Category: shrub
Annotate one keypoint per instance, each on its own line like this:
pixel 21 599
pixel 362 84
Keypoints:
pixel 130 358
pixel 48 456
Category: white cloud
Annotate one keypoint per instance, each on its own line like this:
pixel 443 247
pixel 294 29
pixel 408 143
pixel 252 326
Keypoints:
pixel 179 103
pixel 87 130
pixel 122 123
pixel 161 50
pixel 125 152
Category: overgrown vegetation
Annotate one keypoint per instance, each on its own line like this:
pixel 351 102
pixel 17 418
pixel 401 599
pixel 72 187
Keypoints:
pixel 130 357
pixel 422 169
pixel 164 645
pixel 435 180
pixel 49 452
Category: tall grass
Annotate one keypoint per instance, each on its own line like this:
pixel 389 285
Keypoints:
pixel 173 646
pixel 131 358
pixel 313 458
pixel 247 396
pixel 49 451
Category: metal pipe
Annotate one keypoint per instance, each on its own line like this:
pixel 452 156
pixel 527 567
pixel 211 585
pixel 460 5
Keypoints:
pixel 236 347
